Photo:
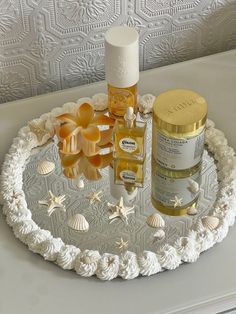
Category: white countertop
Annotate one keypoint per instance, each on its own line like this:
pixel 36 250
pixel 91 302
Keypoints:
pixel 30 285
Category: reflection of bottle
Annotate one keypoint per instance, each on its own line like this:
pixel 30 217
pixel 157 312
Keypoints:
pixel 118 190
pixel 129 137
pixel 129 173
pixel 173 194
pixel 122 68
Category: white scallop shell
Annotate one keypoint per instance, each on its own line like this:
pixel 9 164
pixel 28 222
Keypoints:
pixel 155 221
pixel 159 235
pixel 80 184
pixel 45 167
pixel 193 186
pixel 210 222
pixel 78 223
pixel 192 210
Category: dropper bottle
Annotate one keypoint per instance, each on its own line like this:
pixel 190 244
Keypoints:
pixel 129 118
pixel 129 137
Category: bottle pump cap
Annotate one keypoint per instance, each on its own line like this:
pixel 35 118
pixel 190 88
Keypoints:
pixel 122 56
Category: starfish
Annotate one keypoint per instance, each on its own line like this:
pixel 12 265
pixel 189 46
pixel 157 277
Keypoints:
pixel 38 128
pixel 177 201
pixel 122 245
pixel 94 197
pixel 53 202
pixel 120 211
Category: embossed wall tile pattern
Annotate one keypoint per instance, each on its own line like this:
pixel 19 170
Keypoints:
pixel 47 45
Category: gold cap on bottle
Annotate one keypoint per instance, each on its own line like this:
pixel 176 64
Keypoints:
pixel 180 111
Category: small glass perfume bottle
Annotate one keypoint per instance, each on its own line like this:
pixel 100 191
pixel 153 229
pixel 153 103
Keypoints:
pixel 118 190
pixel 129 137
pixel 130 173
pixel 122 68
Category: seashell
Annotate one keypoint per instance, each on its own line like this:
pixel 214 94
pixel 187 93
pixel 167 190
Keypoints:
pixel 155 221
pixel 192 210
pixel 193 186
pixel 80 184
pixel 210 222
pixel 100 101
pixel 145 103
pixel 78 223
pixel 45 167
pixel 159 235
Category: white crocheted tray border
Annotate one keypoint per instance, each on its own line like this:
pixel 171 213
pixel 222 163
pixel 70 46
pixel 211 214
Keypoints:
pixel 127 265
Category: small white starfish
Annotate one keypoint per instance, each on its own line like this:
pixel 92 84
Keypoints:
pixel 94 197
pixel 177 201
pixel 122 245
pixel 120 211
pixel 38 128
pixel 53 202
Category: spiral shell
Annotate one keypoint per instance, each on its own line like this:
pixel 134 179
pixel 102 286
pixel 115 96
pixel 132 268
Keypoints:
pixel 192 210
pixel 45 167
pixel 159 235
pixel 193 186
pixel 155 221
pixel 210 222
pixel 80 184
pixel 78 223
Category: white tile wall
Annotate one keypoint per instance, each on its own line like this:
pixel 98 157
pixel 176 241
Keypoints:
pixel 46 45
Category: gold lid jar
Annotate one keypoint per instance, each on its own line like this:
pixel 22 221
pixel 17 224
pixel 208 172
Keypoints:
pixel 179 118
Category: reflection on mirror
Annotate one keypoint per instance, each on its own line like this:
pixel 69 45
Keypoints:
pixel 103 233
pixel 172 192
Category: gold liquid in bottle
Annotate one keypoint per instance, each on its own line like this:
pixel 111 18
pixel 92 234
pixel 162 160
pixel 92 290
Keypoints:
pixel 129 172
pixel 129 137
pixel 122 68
pixel 119 99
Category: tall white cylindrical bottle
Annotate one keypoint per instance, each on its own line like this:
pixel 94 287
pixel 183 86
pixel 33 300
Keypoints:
pixel 122 68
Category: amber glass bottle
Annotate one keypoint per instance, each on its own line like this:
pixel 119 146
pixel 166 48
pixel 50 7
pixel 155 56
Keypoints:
pixel 122 68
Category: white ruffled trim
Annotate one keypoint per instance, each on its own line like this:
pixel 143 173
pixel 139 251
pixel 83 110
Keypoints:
pixel 128 268
pixel 50 248
pixel 67 256
pixel 148 263
pixel 86 263
pixel 109 266
pixel 168 257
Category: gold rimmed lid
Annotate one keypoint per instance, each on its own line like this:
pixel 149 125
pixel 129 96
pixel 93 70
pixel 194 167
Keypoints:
pixel 180 111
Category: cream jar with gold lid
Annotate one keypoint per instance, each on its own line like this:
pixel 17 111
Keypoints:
pixel 179 118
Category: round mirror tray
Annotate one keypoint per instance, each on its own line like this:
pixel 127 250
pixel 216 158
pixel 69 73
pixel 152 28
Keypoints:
pixel 97 227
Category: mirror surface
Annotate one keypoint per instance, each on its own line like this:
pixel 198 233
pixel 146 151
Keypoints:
pixel 102 234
